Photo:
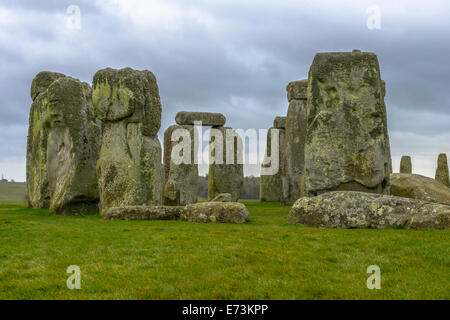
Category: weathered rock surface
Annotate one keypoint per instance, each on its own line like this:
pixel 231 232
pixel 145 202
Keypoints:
pixel 207 118
pixel 42 81
pixel 405 165
pixel 181 172
pixel 223 212
pixel 347 143
pixel 279 123
pixel 143 213
pixel 129 167
pixel 270 187
pixel 295 142
pixel 415 186
pixel 63 146
pixel 350 209
pixel 38 191
pixel 297 90
pixel 222 197
pixel 226 169
pixel 442 174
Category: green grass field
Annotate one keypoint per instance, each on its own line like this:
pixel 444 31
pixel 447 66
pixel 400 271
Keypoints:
pixel 264 259
pixel 13 191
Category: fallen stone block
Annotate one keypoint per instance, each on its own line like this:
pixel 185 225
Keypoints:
pixel 222 212
pixel 352 209
pixel 143 213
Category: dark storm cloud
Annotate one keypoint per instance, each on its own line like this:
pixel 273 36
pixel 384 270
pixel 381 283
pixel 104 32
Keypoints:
pixel 231 57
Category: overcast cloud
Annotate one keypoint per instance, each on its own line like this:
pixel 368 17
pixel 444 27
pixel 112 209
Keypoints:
pixel 232 57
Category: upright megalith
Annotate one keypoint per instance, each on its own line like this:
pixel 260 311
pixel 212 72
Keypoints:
pixel 442 170
pixel 347 143
pixel 226 164
pixel 270 186
pixel 63 146
pixel 206 118
pixel 181 167
pixel 292 176
pixel 129 168
pixel 38 191
pixel 405 164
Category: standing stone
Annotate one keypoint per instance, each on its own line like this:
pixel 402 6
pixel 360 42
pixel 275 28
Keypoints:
pixel 207 118
pixel 442 170
pixel 270 186
pixel 279 123
pixel 225 176
pixel 405 165
pixel 63 146
pixel 38 191
pixel 295 142
pixel 181 175
pixel 347 143
pixel 129 168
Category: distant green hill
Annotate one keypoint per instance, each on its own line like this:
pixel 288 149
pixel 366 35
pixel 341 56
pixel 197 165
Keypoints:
pixel 13 190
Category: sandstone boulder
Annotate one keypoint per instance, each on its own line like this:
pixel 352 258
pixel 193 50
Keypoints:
pixel 129 168
pixel 181 171
pixel 442 174
pixel 223 212
pixel 279 123
pixel 405 165
pixel 295 142
pixel 351 209
pixel 415 186
pixel 42 81
pixel 63 146
pixel 222 197
pixel 297 90
pixel 347 143
pixel 143 213
pixel 272 168
pixel 38 191
pixel 226 169
pixel 207 118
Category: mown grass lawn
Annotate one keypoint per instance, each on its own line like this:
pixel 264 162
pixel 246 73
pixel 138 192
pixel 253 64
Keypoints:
pixel 264 259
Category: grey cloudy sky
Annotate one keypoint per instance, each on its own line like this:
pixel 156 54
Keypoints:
pixel 232 57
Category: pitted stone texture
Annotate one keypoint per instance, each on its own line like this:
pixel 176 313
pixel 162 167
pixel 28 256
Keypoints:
pixel 42 81
pixel 143 213
pixel 351 209
pixel 225 176
pixel 207 118
pixel 222 212
pixel 405 165
pixel 279 123
pixel 442 174
pixel 270 187
pixel 297 90
pixel 419 187
pixel 62 148
pixel 129 167
pixel 222 197
pixel 347 143
pixel 295 152
pixel 181 185
pixel 128 95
